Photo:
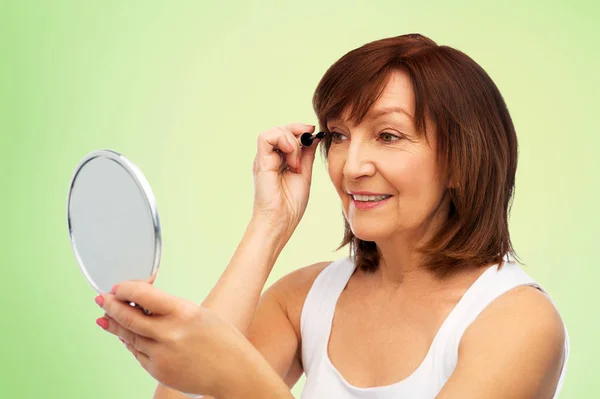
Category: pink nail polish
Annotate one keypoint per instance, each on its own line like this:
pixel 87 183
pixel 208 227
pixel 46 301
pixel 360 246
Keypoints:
pixel 99 300
pixel 114 289
pixel 102 322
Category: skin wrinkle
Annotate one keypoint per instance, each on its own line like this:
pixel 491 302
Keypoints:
pixel 405 168
pixel 449 194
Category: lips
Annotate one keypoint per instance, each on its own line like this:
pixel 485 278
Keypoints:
pixel 369 198
pixel 366 195
pixel 369 201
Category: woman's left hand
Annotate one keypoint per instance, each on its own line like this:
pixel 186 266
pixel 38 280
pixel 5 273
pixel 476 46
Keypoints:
pixel 184 346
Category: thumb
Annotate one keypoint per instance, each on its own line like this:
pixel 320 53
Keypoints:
pixel 307 157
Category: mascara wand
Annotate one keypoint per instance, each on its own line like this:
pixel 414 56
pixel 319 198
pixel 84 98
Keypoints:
pixel 307 138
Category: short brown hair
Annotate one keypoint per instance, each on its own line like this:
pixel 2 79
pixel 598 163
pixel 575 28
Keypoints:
pixel 477 143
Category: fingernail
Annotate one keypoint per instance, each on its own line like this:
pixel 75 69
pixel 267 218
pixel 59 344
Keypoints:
pixel 99 300
pixel 102 322
pixel 114 289
pixel 121 340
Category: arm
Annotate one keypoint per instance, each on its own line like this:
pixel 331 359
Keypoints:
pixel 235 296
pixel 258 379
pixel 514 349
pixel 282 175
pixel 275 326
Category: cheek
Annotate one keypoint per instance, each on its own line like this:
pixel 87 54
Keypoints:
pixel 335 169
pixel 400 170
pixel 413 175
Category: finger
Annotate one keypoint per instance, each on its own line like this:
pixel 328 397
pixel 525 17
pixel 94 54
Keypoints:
pixel 270 145
pixel 139 342
pixel 307 157
pixel 295 157
pixel 145 295
pixel 152 278
pixel 292 158
pixel 281 141
pixel 129 317
pixel 298 128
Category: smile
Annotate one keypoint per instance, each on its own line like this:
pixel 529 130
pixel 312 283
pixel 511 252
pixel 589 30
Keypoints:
pixel 369 201
pixel 365 198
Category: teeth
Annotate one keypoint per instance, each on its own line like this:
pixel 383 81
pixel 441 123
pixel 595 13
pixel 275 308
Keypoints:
pixel 369 197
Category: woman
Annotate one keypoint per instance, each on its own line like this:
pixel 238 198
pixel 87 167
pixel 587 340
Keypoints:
pixel 422 152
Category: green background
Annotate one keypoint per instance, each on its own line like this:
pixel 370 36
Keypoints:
pixel 184 88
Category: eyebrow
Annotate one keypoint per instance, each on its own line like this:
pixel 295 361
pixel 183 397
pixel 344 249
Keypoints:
pixel 388 110
pixel 373 114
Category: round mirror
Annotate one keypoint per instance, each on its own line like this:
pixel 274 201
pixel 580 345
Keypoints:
pixel 113 221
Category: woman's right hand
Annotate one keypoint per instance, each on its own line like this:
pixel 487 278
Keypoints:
pixel 282 176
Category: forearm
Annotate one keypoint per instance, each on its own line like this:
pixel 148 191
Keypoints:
pixel 255 379
pixel 267 386
pixel 163 392
pixel 250 376
pixel 235 296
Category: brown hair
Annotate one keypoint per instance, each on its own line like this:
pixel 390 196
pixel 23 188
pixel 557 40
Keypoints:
pixel 477 143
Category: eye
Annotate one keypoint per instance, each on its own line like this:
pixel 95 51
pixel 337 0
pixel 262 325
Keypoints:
pixel 337 137
pixel 388 137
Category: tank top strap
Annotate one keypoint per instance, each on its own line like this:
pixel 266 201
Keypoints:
pixel 319 307
pixel 493 283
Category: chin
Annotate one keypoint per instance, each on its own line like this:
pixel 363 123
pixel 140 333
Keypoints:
pixel 371 231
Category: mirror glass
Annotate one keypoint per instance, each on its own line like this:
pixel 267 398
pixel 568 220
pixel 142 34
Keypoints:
pixel 113 221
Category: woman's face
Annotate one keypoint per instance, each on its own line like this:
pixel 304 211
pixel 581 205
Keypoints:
pixel 385 156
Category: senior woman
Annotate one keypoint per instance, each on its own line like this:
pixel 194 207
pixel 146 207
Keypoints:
pixel 430 303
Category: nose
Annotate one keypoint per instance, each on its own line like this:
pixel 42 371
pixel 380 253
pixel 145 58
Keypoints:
pixel 359 162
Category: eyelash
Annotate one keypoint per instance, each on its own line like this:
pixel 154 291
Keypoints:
pixel 337 134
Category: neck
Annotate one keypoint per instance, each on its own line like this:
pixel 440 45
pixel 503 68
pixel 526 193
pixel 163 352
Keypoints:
pixel 401 264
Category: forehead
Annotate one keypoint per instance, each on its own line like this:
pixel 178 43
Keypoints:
pixel 397 95
pixel 398 92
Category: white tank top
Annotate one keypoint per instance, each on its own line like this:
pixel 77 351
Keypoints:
pixel 323 380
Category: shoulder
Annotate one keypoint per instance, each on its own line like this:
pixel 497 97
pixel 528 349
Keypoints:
pixel 518 338
pixel 295 285
pixel 291 290
pixel 524 313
